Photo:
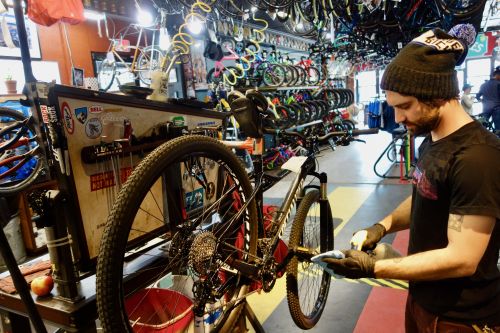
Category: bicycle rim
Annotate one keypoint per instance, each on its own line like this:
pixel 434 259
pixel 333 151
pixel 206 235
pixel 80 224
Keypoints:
pixel 149 60
pixel 25 174
pixel 307 284
pixel 206 186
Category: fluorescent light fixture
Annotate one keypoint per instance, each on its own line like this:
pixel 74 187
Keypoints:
pixel 195 26
pixel 91 15
pixel 144 18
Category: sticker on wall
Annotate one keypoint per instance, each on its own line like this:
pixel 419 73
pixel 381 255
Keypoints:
pixel 96 109
pixel 81 114
pixel 67 117
pixel 178 121
pixel 93 128
pixel 45 113
pixel 194 199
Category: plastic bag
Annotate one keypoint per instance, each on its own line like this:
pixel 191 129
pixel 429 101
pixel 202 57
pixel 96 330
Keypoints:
pixel 48 12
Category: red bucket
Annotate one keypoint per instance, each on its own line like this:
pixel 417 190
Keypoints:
pixel 155 310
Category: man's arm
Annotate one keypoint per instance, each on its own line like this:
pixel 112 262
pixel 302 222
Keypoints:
pixel 399 219
pixel 468 237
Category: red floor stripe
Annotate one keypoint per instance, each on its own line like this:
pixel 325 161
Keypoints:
pixel 400 242
pixel 384 312
pixel 385 307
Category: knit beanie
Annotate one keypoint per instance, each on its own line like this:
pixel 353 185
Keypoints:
pixel 425 67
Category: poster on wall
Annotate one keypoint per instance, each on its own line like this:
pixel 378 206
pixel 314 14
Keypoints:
pixel 189 78
pixel 9 37
pixel 199 66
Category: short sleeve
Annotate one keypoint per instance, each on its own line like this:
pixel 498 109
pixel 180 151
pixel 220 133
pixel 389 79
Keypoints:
pixel 475 182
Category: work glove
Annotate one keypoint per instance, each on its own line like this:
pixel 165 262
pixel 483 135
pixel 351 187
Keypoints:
pixel 355 265
pixel 368 238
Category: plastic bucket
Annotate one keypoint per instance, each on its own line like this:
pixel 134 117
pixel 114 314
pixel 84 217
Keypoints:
pixel 159 310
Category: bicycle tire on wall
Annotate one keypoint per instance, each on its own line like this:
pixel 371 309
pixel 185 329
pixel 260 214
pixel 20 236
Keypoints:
pixel 12 187
pixel 110 287
pixel 295 285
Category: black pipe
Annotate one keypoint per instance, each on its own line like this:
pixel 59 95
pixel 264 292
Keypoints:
pixel 19 281
pixel 23 42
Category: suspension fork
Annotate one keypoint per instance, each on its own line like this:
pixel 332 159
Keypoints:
pixel 325 213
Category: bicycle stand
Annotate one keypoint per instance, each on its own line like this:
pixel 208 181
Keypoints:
pixel 400 145
pixel 247 313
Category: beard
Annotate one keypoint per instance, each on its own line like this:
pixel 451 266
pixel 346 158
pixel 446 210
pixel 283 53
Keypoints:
pixel 428 121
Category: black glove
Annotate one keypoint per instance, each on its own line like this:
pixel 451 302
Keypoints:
pixel 373 235
pixel 355 265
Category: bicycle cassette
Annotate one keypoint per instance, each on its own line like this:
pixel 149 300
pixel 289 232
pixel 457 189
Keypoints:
pixel 202 253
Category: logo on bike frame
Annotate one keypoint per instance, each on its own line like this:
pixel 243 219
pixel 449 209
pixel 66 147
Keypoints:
pixel 67 117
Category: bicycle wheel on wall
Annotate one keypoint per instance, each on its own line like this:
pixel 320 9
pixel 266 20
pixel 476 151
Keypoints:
pixel 106 74
pixel 206 188
pixel 307 285
pixel 148 61
pixel 21 159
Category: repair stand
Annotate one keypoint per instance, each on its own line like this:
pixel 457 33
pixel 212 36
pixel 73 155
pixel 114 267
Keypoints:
pixel 247 313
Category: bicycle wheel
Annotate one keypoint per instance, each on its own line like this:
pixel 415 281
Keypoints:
pixel 307 284
pixel 274 75
pixel 148 61
pixel 21 159
pixel 200 186
pixel 106 74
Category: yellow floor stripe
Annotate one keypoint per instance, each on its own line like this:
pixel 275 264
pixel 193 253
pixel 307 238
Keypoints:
pixel 345 201
pixel 395 284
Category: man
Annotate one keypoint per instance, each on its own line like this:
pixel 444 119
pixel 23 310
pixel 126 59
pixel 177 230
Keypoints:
pixel 453 213
pixel 467 100
pixel 489 95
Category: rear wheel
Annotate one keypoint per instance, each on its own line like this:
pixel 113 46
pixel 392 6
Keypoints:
pixel 307 285
pixel 190 194
pixel 149 60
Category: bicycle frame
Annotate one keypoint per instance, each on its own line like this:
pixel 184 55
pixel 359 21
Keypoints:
pixel 136 48
pixel 292 199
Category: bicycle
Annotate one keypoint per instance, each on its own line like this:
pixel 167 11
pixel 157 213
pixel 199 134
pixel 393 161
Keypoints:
pixel 144 61
pixel 222 247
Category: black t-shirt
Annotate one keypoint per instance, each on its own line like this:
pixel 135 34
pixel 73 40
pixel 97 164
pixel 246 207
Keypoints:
pixel 459 174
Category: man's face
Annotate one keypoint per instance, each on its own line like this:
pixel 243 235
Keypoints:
pixel 417 117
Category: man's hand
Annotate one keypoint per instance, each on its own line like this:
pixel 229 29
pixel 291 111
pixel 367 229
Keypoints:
pixel 355 265
pixel 368 238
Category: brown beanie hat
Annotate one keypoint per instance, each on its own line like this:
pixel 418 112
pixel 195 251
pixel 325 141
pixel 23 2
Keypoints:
pixel 425 67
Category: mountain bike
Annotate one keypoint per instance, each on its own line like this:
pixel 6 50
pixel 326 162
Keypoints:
pixel 221 248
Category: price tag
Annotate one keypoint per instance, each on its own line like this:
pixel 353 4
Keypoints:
pixel 294 164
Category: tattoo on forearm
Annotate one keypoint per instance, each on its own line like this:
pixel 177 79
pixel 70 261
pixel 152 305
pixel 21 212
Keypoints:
pixel 455 222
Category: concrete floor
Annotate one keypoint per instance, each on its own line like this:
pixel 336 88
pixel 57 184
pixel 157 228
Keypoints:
pixel 358 198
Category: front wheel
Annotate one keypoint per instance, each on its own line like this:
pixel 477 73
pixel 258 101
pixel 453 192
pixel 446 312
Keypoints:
pixel 307 284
